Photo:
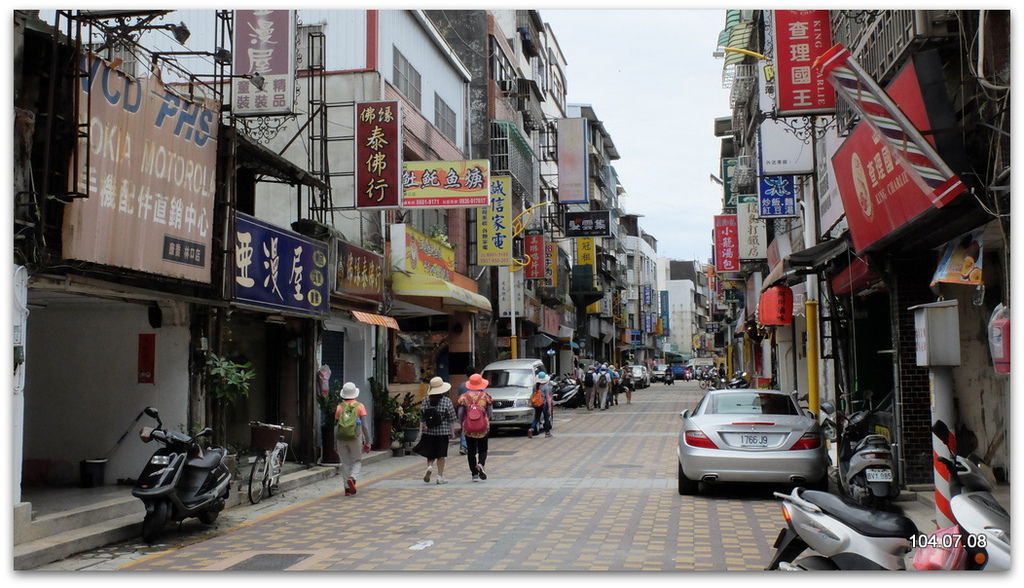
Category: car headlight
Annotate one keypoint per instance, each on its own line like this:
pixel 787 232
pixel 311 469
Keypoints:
pixel 522 403
pixel 160 460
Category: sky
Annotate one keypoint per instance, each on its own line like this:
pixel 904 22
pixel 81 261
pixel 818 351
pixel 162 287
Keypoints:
pixel 652 80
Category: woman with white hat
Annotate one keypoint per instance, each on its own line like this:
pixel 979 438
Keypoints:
pixel 352 435
pixel 436 417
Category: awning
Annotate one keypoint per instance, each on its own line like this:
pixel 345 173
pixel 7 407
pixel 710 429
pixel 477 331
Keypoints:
pixel 375 319
pixel 453 296
pixel 820 254
pixel 854 278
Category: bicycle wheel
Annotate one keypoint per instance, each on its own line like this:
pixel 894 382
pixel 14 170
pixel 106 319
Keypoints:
pixel 258 478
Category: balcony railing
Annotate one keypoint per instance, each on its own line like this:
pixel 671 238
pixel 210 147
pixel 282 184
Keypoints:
pixel 511 154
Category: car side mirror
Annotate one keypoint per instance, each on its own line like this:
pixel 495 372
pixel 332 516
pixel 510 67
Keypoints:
pixel 684 415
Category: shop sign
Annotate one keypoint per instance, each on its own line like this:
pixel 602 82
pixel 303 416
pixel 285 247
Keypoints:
pixel 507 304
pixel 533 245
pixel 727 253
pixel 781 151
pixel 378 152
pixel 573 172
pixel 728 175
pixel 148 171
pixel 551 263
pixel 264 42
pixel 665 328
pixel 586 253
pixel 147 358
pixel 359 273
pixel 277 269
pixel 961 262
pixel 551 321
pixel 753 236
pixel 494 225
pixel 800 37
pixel 590 223
pixel 446 184
pixel 414 252
pixel 776 196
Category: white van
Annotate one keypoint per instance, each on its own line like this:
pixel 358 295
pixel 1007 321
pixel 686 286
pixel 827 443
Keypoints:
pixel 510 384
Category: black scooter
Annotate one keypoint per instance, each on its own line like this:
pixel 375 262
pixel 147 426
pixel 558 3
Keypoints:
pixel 180 480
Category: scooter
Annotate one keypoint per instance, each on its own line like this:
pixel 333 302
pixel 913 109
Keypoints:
pixel 846 536
pixel 567 392
pixel 180 480
pixel 866 465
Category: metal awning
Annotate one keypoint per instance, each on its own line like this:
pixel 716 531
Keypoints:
pixel 375 319
pixel 452 296
pixel 819 254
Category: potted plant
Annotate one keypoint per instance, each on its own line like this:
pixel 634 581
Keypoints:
pixel 227 382
pixel 397 441
pixel 384 408
pixel 409 417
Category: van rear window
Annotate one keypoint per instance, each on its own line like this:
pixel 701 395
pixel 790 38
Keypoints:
pixel 503 378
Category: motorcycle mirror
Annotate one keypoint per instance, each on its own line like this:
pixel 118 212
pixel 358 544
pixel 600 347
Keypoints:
pixel 152 412
pixel 826 407
pixel 206 431
pixel 829 430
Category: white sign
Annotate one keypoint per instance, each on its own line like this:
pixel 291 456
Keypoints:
pixel 781 151
pixel 505 298
pixel 750 233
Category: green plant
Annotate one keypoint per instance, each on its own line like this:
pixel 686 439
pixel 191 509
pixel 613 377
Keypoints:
pixel 329 403
pixel 226 380
pixel 408 413
pixel 439 233
pixel 385 405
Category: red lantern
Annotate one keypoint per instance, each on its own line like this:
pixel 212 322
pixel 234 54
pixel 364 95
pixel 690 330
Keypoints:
pixel 776 306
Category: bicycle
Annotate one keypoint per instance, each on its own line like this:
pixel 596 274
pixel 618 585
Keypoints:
pixel 266 468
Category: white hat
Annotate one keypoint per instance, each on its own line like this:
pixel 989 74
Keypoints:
pixel 543 378
pixel 349 391
pixel 438 386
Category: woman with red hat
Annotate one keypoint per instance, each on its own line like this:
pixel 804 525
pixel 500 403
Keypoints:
pixel 475 415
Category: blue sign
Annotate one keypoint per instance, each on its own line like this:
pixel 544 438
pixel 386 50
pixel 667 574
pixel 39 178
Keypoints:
pixel 664 311
pixel 776 196
pixel 278 269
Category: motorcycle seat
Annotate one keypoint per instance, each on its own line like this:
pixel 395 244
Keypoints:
pixel 873 523
pixel 209 460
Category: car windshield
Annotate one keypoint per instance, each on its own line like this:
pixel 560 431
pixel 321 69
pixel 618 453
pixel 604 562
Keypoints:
pixel 638 371
pixel 750 403
pixel 503 378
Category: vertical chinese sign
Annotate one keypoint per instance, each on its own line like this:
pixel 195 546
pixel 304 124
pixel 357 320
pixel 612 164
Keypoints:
pixel 264 44
pixel 378 149
pixel 752 234
pixel 533 244
pixel 279 270
pixel 445 184
pixel 551 263
pixel 150 179
pixel 573 175
pixel 494 225
pixel 727 254
pixel 800 37
pixel 728 174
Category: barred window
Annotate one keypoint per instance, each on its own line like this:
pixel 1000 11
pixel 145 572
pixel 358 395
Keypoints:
pixel 407 79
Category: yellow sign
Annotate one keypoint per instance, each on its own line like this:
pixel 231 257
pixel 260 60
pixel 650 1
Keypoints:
pixel 445 184
pixel 494 225
pixel 961 262
pixel 586 253
pixel 426 256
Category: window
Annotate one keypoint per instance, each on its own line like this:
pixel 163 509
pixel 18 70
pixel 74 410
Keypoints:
pixel 752 403
pixel 444 117
pixel 407 79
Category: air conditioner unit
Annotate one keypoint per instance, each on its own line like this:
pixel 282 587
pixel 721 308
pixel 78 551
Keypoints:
pixel 507 85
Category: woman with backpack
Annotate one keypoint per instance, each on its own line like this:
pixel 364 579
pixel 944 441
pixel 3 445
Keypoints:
pixel 351 435
pixel 589 383
pixel 475 415
pixel 542 403
pixel 436 417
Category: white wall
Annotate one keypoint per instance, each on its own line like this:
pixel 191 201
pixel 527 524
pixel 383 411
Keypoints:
pixel 81 389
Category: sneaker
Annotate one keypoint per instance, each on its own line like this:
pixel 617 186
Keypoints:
pixel 441 479
pixel 352 485
pixel 481 472
pixel 476 478
pixel 348 491
pixel 462 451
pixel 529 433
pixel 426 476
pixel 548 435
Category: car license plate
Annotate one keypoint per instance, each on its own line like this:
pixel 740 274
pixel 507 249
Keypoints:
pixel 509 417
pixel 750 440
pixel 878 475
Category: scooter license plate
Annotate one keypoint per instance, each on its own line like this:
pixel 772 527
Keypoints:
pixel 878 475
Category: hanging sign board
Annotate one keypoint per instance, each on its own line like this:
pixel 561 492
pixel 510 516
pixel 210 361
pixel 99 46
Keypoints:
pixel 588 223
pixel 445 184
pixel 494 225
pixel 264 43
pixel 800 37
pixel 727 253
pixel 378 152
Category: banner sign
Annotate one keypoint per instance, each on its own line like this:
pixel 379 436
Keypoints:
pixel 586 253
pixel 776 196
pixel 150 180
pixel 573 170
pixel 800 37
pixel 590 223
pixel 279 270
pixel 378 152
pixel 507 304
pixel 781 152
pixel 494 225
pixel 727 254
pixel 665 328
pixel 414 252
pixel 147 358
pixel 359 273
pixel 961 262
pixel 551 263
pixel 753 236
pixel 264 42
pixel 446 184
pixel 728 174
pixel 533 245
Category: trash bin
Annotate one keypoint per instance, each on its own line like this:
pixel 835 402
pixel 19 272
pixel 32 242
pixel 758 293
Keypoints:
pixel 91 472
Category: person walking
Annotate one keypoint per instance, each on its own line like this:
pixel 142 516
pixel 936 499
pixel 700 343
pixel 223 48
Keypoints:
pixel 603 381
pixel 613 387
pixel 542 391
pixel 351 449
pixel 589 382
pixel 475 415
pixel 462 390
pixel 628 384
pixel 436 417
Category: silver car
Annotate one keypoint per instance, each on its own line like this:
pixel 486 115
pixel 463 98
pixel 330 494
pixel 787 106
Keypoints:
pixel 641 377
pixel 746 435
pixel 510 383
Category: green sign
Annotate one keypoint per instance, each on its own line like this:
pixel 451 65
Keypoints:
pixel 728 173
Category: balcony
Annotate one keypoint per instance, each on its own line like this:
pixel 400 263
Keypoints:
pixel 511 155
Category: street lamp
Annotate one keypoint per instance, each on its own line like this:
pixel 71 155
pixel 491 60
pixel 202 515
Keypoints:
pixel 721 53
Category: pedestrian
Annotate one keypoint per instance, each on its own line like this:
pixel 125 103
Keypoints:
pixel 436 417
pixel 613 387
pixel 475 415
pixel 628 385
pixel 352 435
pixel 462 390
pixel 542 392
pixel 603 381
pixel 589 382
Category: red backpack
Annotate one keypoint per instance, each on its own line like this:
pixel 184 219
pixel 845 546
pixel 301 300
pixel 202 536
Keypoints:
pixel 475 420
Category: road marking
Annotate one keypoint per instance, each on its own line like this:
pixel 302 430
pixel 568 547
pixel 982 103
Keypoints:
pixel 421 545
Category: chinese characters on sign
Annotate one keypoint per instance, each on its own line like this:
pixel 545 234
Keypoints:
pixel 359 273
pixel 445 184
pixel 264 44
pixel 494 225
pixel 279 269
pixel 752 234
pixel 507 304
pixel 727 254
pixel 590 223
pixel 776 196
pixel 551 264
pixel 149 180
pixel 586 254
pixel 533 244
pixel 728 174
pixel 800 37
pixel 378 149
pixel 412 251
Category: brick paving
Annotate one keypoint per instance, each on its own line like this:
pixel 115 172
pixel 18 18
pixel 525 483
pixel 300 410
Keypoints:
pixel 599 496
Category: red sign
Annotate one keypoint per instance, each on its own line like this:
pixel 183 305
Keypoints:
pixel 800 37
pixel 378 155
pixel 878 193
pixel 727 252
pixel 775 308
pixel 533 243
pixel 147 358
pixel 360 273
pixel 264 45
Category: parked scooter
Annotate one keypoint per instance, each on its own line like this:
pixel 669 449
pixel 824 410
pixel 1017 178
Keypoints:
pixel 866 465
pixel 567 391
pixel 180 480
pixel 846 536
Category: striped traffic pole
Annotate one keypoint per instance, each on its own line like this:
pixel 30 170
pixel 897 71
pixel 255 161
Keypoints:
pixel 940 380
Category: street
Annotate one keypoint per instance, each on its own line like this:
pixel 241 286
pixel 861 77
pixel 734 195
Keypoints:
pixel 598 496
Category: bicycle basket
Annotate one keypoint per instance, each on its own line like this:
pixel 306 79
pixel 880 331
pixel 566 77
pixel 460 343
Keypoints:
pixel 264 436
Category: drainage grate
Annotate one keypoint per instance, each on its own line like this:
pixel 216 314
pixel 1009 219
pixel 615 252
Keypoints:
pixel 269 562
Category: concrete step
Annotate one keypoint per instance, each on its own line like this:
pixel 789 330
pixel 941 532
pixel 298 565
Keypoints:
pixel 69 542
pixel 85 516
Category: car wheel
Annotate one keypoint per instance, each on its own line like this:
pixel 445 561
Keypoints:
pixel 686 485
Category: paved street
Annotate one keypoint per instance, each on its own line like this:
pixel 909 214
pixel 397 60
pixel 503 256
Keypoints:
pixel 599 496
